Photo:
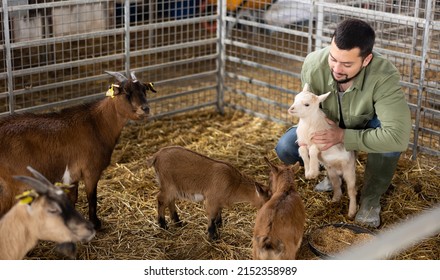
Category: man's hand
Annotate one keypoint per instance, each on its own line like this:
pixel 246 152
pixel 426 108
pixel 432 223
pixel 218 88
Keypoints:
pixel 329 137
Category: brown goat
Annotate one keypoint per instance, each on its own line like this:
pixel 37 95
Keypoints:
pixel 185 174
pixel 279 225
pixel 71 145
pixel 43 214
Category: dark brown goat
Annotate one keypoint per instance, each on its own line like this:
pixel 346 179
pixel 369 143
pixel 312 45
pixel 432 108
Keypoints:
pixel 279 226
pixel 71 145
pixel 185 174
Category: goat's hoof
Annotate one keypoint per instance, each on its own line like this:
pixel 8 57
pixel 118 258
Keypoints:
pixel 213 236
pixel 180 224
pixel 96 224
pixel 351 214
pixel 311 175
pixel 162 223
pixel 164 226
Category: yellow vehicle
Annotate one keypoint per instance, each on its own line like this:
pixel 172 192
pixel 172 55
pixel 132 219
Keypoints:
pixel 233 6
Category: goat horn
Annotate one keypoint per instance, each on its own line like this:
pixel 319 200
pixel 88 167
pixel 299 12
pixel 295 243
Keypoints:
pixel 39 176
pixel 133 76
pixel 121 78
pixel 37 185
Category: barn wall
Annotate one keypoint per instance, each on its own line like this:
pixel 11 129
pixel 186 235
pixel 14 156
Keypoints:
pixel 244 55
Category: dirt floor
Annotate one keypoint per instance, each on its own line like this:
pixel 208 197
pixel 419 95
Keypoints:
pixel 127 194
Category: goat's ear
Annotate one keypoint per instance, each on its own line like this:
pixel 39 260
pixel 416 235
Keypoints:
pixel 270 164
pixel 323 97
pixel 113 90
pixel 306 87
pixel 150 86
pixel 263 191
pixel 296 167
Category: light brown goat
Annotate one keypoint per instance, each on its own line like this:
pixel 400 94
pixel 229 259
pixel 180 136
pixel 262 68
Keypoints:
pixel 71 145
pixel 43 214
pixel 279 225
pixel 185 174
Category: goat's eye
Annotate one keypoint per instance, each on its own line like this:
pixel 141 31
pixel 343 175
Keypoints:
pixel 307 104
pixel 54 209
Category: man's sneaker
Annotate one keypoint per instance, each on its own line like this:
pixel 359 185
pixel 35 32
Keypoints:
pixel 324 186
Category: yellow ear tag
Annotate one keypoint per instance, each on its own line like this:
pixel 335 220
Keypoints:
pixel 62 186
pixel 110 92
pixel 151 87
pixel 26 200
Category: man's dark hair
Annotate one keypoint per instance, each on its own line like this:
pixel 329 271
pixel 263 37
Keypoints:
pixel 355 33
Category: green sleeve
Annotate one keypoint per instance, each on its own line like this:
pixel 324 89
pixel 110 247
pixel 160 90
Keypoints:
pixel 393 112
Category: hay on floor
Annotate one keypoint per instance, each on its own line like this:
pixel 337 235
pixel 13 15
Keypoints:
pixel 127 194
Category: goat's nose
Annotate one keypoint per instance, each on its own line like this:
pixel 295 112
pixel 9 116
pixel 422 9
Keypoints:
pixel 146 109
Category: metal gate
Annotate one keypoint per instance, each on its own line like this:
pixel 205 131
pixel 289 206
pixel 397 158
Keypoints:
pixel 244 55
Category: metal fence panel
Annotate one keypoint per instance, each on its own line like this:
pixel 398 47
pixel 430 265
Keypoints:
pixel 58 52
pixel 245 55
pixel 267 41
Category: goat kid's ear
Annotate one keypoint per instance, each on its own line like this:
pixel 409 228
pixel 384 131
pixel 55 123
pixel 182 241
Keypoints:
pixel 296 167
pixel 263 191
pixel 270 164
pixel 323 97
pixel 306 87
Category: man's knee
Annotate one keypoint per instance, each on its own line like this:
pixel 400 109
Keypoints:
pixel 284 154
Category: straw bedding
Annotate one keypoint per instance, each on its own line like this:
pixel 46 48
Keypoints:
pixel 127 194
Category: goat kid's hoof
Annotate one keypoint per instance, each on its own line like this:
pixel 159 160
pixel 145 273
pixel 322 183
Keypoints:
pixel 180 224
pixel 311 175
pixel 162 223
pixel 213 237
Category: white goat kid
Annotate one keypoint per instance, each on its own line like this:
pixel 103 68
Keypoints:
pixel 336 160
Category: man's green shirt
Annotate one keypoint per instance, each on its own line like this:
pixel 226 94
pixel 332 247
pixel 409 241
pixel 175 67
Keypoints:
pixel 376 90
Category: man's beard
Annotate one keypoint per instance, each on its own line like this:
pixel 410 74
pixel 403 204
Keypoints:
pixel 347 79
